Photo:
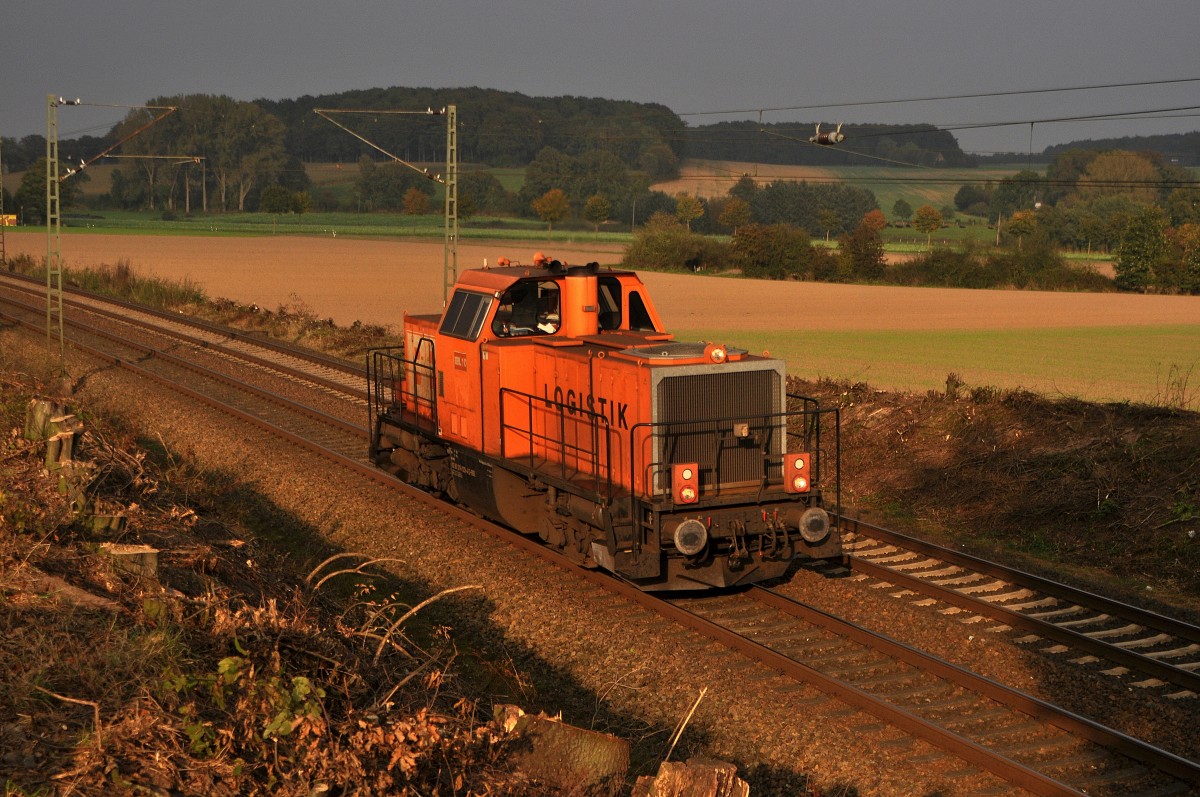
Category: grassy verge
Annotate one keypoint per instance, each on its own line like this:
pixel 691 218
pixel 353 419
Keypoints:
pixel 295 322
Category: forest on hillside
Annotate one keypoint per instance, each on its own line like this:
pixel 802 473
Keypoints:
pixel 788 143
pixel 509 129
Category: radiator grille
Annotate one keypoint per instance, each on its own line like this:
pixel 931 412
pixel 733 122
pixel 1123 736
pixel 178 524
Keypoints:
pixel 698 416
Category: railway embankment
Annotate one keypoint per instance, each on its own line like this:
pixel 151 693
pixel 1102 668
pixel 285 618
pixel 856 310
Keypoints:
pixel 1103 495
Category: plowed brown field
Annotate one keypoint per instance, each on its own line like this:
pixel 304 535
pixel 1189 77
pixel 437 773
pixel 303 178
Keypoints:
pixel 375 281
pixel 832 330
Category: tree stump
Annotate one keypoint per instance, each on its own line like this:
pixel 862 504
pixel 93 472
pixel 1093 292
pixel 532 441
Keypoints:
pixel 699 777
pixel 573 759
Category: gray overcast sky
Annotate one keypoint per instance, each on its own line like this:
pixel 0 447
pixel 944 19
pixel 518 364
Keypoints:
pixel 697 56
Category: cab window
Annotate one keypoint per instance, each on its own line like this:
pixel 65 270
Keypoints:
pixel 528 307
pixel 609 294
pixel 465 315
pixel 639 316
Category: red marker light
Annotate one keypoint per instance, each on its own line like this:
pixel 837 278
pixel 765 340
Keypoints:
pixel 685 483
pixel 796 478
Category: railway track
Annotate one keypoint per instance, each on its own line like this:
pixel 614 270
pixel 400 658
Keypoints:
pixel 332 373
pixel 1146 649
pixel 1004 737
pixel 1029 742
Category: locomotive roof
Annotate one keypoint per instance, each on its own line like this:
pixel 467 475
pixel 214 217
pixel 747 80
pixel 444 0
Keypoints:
pixel 500 277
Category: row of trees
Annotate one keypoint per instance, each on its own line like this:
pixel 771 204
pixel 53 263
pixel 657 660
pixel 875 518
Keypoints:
pixel 212 153
pixel 1086 197
pixel 1133 204
pixel 769 251
pixel 818 209
pixel 1156 240
pixel 1153 254
pixel 785 251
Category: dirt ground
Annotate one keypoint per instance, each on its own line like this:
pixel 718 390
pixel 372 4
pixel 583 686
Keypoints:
pixel 341 278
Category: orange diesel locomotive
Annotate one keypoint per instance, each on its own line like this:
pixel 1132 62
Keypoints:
pixel 549 398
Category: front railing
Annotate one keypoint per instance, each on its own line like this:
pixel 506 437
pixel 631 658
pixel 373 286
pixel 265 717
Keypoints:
pixel 401 389
pixel 730 438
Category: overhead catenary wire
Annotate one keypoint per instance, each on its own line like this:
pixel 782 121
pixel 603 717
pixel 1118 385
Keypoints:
pixel 324 113
pixel 945 97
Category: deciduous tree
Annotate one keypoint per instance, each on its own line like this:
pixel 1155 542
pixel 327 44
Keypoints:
pixel 551 207
pixel 735 214
pixel 596 210
pixel 1141 246
pixel 875 220
pixel 1187 241
pixel 774 251
pixel 1120 174
pixel 1022 224
pixel 484 191
pixel 275 199
pixel 1183 205
pixel 416 202
pixel 828 220
pixel 1018 192
pixel 687 209
pixel 302 202
pixel 745 188
pixel 901 210
pixel 928 220
pixel 861 252
pixel 970 198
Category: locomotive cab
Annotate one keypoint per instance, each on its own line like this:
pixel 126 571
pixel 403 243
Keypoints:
pixel 551 399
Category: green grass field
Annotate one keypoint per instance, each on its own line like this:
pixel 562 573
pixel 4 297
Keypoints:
pixel 1154 365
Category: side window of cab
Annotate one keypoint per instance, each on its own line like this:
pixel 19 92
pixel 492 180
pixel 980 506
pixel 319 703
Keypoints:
pixel 528 307
pixel 639 316
pixel 609 296
pixel 465 314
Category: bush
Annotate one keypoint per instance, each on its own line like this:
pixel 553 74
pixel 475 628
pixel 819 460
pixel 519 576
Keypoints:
pixel 665 244
pixel 780 251
pixel 275 199
pixel 1038 267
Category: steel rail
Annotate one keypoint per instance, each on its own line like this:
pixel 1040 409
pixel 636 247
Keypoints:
pixel 179 362
pixel 1074 724
pixel 1171 625
pixel 1043 628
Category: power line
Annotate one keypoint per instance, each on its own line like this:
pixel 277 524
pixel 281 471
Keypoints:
pixel 929 127
pixel 949 181
pixel 1118 116
pixel 946 97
